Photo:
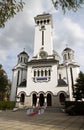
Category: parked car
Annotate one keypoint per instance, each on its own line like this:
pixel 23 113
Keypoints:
pixel 75 110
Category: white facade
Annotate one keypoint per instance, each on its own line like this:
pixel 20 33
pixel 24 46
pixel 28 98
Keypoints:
pixel 43 34
pixel 44 79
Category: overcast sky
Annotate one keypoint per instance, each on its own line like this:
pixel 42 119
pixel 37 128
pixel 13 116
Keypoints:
pixel 19 33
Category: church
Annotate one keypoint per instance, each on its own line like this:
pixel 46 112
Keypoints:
pixel 43 79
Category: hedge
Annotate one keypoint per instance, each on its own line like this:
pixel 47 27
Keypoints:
pixel 7 105
pixel 77 103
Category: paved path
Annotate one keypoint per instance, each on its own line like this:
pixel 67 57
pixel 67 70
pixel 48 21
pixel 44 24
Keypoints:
pixel 48 121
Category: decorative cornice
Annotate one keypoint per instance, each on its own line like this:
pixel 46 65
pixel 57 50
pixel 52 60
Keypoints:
pixel 41 61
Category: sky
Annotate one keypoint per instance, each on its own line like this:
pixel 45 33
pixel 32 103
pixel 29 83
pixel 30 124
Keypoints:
pixel 68 30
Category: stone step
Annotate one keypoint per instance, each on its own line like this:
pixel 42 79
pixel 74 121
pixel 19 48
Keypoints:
pixel 54 109
pixel 48 109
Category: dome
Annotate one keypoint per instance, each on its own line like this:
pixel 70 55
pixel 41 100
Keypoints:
pixel 23 52
pixel 67 49
pixel 68 55
pixel 23 57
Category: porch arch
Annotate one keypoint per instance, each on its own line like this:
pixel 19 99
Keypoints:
pixel 34 99
pixel 49 99
pixel 22 98
pixel 62 97
pixel 41 99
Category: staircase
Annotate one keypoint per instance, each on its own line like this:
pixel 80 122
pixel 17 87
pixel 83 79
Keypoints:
pixel 54 109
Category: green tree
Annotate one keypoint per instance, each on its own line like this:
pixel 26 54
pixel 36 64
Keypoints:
pixel 8 8
pixel 8 91
pixel 79 87
pixel 73 5
pixel 3 83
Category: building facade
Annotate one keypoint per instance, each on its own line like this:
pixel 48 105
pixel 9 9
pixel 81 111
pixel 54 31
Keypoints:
pixel 43 79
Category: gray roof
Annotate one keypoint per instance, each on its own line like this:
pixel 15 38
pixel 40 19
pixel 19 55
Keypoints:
pixel 23 53
pixel 23 84
pixel 61 83
pixel 67 49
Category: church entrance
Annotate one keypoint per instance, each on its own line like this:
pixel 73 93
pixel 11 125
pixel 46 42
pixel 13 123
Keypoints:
pixel 49 99
pixel 41 99
pixel 22 98
pixel 34 97
pixel 62 98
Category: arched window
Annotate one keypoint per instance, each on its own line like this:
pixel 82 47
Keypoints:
pixel 42 37
pixel 45 72
pixel 44 21
pixel 41 99
pixel 38 73
pixel 49 99
pixel 18 74
pixel 34 99
pixel 24 60
pixel 41 21
pixel 72 81
pixel 34 73
pixel 68 56
pixel 41 72
pixel 22 98
pixel 49 72
pixel 21 59
pixel 48 21
pixel 37 22
pixel 62 98
pixel 65 57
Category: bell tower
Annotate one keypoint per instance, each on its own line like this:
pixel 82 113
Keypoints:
pixel 68 55
pixel 43 34
pixel 19 74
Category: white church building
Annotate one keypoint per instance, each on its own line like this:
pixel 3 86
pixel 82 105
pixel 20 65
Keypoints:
pixel 43 79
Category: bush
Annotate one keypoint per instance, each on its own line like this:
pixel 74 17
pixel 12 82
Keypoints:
pixel 77 103
pixel 74 108
pixel 6 105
